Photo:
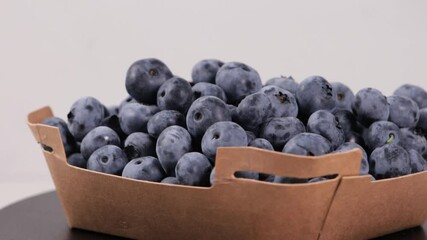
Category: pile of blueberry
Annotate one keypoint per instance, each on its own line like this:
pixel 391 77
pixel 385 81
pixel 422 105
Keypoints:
pixel 168 129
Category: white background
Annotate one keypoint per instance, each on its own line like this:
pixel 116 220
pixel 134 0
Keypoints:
pixel 53 52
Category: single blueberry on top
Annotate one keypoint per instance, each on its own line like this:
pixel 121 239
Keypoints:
pixel 145 168
pixel 416 93
pixel 163 119
pixel 253 110
pixel 172 143
pixel 381 133
pixel 204 112
pixel 308 144
pixel 138 145
pixel 315 93
pixel 369 106
pixel 222 134
pixel 96 138
pixel 193 169
pixel 205 70
pixel 287 83
pixel 404 112
pixel 326 124
pixel 208 89
pixel 134 117
pixel 283 103
pixel 144 77
pixel 390 160
pixel 238 80
pixel 108 159
pixel 175 94
pixel 86 114
pixel 278 131
pixel 345 96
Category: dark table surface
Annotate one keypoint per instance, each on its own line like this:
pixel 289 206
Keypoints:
pixel 41 218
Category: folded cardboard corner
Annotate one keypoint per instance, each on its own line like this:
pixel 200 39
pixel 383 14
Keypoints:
pixel 237 208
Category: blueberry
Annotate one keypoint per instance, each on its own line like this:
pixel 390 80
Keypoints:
pixel 364 166
pixel 170 180
pixel 287 83
pixel 278 131
pixel 172 143
pixel 308 144
pixel 175 94
pixel 193 169
pixel 238 80
pixel 250 136
pixel 325 123
pixel 222 134
pixel 247 175
pixel 317 179
pixel 204 112
pixel 253 110
pixel 108 159
pixel 403 111
pixel 348 122
pixel 68 141
pixel 138 145
pixel 77 160
pixel 422 123
pixel 212 176
pixel 205 70
pixel 266 177
pixel 283 103
pixel 113 122
pixel 315 93
pixel 381 133
pixel 145 168
pixel 390 160
pixel 369 106
pixel 144 78
pixel 291 180
pixel 125 101
pixel 164 119
pixel 86 114
pixel 134 117
pixel 413 138
pixel 208 89
pixel 417 162
pixel 97 138
pixel 416 93
pixel 344 94
pixel 261 143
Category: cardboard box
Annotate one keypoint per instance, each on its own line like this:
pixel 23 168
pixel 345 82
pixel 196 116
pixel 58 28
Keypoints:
pixel 346 207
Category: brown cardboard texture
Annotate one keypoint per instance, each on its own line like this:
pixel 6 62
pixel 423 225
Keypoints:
pixel 365 209
pixel 234 208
